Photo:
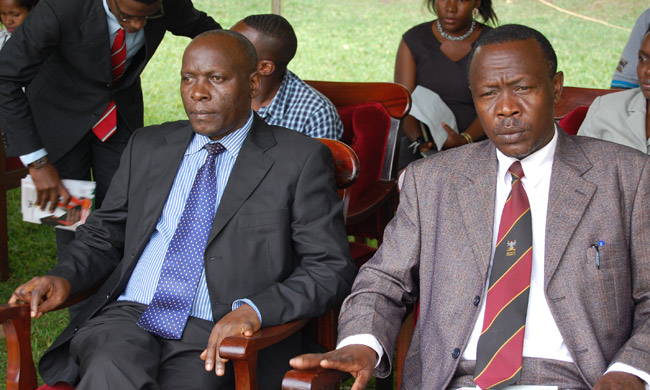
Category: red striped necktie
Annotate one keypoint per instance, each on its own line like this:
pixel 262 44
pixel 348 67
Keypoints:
pixel 107 124
pixel 499 353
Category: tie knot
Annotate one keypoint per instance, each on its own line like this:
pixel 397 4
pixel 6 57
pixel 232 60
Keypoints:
pixel 516 171
pixel 214 149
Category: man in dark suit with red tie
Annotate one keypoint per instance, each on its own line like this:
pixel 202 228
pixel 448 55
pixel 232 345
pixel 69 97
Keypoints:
pixel 81 103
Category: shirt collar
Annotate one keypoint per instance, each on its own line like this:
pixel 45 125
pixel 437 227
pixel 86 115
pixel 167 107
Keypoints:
pixel 535 166
pixel 232 142
pixel 275 109
pixel 113 24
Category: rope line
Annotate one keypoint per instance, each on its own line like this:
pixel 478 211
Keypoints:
pixel 545 2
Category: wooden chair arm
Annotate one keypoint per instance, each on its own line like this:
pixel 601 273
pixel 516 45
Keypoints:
pixel 371 200
pixel 15 320
pixel 314 379
pixel 243 350
pixel 16 323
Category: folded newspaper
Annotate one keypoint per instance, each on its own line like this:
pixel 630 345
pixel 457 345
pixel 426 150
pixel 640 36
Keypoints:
pixel 82 201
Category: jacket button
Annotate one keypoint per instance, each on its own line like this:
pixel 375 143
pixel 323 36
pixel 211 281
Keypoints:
pixel 456 353
pixel 477 300
pixel 108 296
pixel 75 330
pixel 108 85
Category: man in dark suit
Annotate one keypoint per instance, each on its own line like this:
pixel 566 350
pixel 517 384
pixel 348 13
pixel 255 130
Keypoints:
pixel 555 293
pixel 61 126
pixel 275 250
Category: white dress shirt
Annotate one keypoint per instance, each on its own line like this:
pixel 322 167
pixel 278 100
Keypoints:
pixel 542 338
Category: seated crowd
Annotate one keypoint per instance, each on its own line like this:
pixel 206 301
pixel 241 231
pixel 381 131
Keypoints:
pixel 229 220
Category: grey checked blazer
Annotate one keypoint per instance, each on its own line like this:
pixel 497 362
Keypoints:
pixel 437 250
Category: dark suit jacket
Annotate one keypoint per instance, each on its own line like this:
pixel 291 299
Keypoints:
pixel 61 53
pixel 278 236
pixel 437 250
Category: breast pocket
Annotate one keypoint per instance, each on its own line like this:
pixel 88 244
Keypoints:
pixel 266 218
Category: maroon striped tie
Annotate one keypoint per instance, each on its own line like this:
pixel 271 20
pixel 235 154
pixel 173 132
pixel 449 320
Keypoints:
pixel 107 124
pixel 499 353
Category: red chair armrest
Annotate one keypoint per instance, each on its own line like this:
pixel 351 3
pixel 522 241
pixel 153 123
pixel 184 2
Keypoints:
pixel 376 195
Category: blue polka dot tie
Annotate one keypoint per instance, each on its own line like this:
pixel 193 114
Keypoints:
pixel 170 306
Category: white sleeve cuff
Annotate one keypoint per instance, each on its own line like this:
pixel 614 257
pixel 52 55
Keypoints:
pixel 239 302
pixel 33 156
pixel 364 339
pixel 622 367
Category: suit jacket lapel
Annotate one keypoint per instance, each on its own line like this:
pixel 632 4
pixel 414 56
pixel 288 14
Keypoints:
pixel 568 198
pixel 636 118
pixel 249 170
pixel 476 189
pixel 95 30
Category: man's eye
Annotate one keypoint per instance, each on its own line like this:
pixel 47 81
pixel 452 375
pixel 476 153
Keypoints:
pixel 216 78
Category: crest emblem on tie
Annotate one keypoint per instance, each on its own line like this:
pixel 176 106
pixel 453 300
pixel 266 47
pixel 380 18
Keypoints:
pixel 511 247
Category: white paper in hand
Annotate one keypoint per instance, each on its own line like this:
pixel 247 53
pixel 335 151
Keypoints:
pixel 429 109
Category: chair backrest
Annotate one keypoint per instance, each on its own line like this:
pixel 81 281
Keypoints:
pixel 346 166
pixel 574 97
pixel 393 98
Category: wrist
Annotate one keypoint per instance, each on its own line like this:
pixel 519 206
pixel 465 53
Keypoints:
pixel 38 163
pixel 467 137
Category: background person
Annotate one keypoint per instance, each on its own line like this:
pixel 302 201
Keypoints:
pixel 622 117
pixel 12 14
pixel 625 72
pixel 434 55
pixel 81 102
pixel 284 99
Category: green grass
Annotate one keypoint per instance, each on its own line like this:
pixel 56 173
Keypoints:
pixel 345 41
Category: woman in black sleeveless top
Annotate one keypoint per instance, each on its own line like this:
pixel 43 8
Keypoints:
pixel 434 55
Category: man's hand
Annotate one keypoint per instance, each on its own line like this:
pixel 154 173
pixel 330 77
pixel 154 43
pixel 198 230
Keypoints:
pixel 358 360
pixel 616 380
pixel 453 139
pixel 43 293
pixel 240 322
pixel 48 187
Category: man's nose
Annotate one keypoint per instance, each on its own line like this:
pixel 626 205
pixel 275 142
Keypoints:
pixel 508 104
pixel 137 24
pixel 200 92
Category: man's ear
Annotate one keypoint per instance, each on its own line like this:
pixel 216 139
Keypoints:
pixel 265 67
pixel 558 84
pixel 254 82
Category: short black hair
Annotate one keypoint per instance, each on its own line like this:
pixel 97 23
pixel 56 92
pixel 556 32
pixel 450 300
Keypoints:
pixel 485 10
pixel 27 4
pixel 246 47
pixel 280 31
pixel 513 33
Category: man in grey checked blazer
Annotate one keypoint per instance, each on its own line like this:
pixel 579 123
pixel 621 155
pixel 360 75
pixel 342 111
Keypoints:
pixel 588 323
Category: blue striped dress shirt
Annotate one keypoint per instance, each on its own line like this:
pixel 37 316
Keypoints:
pixel 144 280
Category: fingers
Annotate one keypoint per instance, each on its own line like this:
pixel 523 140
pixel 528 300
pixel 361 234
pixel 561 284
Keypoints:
pixel 307 361
pixel 361 381
pixel 64 194
pixel 53 198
